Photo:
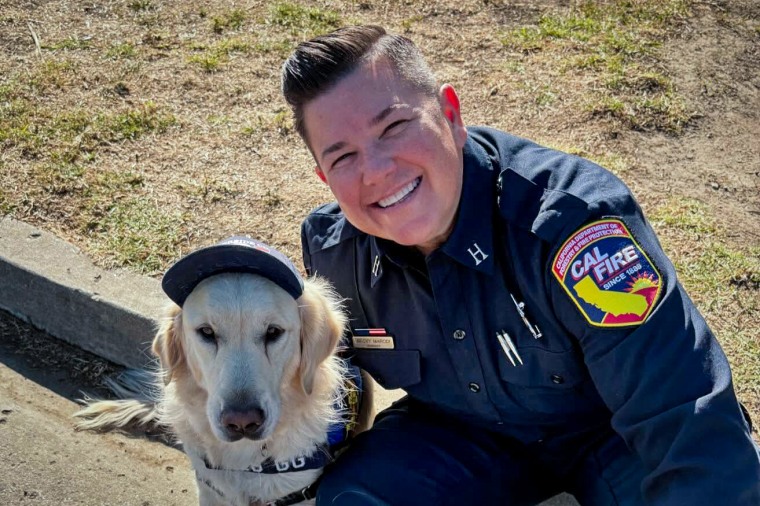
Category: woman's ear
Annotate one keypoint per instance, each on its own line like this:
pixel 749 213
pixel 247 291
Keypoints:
pixel 320 174
pixel 449 103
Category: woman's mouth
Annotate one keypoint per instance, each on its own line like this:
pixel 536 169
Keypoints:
pixel 400 195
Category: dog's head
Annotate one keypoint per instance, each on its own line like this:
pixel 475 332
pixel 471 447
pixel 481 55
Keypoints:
pixel 243 338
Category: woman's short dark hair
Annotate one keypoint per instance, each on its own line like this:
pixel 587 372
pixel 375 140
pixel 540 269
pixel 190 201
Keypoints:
pixel 318 64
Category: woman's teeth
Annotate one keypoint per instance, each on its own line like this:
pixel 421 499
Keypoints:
pixel 396 197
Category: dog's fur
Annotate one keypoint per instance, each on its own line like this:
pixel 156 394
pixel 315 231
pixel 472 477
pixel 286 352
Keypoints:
pixel 283 388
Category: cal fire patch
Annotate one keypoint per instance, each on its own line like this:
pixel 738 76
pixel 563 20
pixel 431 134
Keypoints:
pixel 608 275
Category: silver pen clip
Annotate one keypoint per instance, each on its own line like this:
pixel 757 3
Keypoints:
pixel 509 347
pixel 532 328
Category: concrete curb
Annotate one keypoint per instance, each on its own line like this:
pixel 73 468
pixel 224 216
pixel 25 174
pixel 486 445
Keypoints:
pixel 52 285
pixel 113 314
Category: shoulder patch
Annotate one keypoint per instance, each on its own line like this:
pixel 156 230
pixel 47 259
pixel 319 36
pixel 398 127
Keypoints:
pixel 607 275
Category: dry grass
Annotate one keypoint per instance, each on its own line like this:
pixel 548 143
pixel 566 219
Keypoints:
pixel 141 129
pixel 723 280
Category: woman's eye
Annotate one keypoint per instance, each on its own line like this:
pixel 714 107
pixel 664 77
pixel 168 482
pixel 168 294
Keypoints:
pixel 342 158
pixel 207 334
pixel 395 127
pixel 273 332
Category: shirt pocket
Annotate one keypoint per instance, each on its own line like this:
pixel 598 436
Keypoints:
pixel 390 368
pixel 549 382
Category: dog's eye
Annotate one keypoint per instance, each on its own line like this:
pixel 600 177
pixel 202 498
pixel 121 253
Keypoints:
pixel 273 332
pixel 207 334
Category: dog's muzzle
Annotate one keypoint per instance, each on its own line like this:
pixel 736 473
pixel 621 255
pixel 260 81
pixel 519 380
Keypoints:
pixel 246 422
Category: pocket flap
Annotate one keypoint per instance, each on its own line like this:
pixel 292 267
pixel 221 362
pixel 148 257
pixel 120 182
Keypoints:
pixel 390 368
pixel 542 368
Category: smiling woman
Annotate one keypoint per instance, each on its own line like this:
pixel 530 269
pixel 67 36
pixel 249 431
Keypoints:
pixel 390 153
pixel 454 244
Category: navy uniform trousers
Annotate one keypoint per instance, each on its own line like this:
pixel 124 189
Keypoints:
pixel 413 456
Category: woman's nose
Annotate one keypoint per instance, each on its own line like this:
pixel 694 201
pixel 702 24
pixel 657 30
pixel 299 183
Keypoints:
pixel 375 167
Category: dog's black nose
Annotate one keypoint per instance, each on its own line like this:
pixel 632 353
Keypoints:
pixel 243 422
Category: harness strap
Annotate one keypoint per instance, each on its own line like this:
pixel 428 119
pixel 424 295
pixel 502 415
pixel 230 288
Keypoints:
pixel 304 494
pixel 317 460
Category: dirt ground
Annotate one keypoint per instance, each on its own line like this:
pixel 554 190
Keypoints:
pixel 717 159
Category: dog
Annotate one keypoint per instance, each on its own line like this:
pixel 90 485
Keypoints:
pixel 249 383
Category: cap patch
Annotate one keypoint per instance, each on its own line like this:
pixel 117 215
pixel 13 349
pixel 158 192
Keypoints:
pixel 607 275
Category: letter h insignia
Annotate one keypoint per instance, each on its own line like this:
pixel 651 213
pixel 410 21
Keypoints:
pixel 478 255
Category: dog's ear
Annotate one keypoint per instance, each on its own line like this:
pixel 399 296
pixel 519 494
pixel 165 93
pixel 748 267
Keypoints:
pixel 322 324
pixel 167 345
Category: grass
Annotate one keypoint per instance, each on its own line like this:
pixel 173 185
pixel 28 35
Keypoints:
pixel 614 45
pixel 135 232
pixel 231 20
pixel 70 43
pixel 279 122
pixel 208 62
pixel 166 130
pixel 91 200
pixel 211 58
pixel 208 189
pixel 304 21
pixel 121 50
pixel 52 74
pixel 615 42
pixel 141 5
pixel 15 124
pixel 723 280
pixel 84 131
pixel 113 213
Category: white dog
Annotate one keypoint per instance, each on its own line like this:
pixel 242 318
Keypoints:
pixel 251 387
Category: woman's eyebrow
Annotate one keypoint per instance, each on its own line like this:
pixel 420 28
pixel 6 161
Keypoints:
pixel 384 114
pixel 333 148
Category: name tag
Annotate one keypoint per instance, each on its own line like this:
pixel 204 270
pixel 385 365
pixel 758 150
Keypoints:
pixel 373 342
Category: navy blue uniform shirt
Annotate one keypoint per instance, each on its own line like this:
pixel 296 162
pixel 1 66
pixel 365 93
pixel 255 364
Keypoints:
pixel 571 365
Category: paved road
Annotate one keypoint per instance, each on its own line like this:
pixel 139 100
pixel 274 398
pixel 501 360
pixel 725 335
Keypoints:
pixel 43 461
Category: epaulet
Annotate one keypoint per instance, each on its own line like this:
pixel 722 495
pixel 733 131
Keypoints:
pixel 552 193
pixel 326 226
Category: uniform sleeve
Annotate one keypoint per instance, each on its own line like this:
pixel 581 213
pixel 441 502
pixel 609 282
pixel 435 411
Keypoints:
pixel 665 378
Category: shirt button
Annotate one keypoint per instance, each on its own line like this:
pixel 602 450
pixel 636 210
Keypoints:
pixel 474 388
pixel 557 379
pixel 459 334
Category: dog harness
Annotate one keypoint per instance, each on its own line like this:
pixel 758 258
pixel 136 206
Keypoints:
pixel 338 435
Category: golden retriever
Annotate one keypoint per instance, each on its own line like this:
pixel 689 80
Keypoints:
pixel 251 386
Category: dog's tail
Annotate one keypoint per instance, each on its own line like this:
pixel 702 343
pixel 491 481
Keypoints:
pixel 137 405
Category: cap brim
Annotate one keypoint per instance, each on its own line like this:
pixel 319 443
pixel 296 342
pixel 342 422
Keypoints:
pixel 182 278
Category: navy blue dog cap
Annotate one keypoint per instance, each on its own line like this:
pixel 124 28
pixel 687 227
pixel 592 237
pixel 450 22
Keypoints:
pixel 234 254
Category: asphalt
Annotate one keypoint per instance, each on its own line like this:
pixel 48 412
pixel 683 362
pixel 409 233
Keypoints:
pixel 55 287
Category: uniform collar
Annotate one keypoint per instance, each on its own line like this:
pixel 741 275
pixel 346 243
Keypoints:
pixel 471 241
pixel 377 252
